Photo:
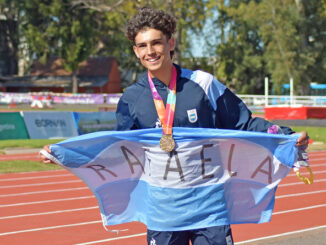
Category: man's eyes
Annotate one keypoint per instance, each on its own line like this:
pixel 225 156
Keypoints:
pixel 153 44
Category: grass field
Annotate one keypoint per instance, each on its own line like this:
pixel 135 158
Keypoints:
pixel 318 134
pixel 26 143
pixel 25 166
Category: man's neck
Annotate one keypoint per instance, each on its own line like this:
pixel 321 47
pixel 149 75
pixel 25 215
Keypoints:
pixel 163 75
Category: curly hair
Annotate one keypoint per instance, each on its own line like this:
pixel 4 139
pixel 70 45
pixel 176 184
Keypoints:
pixel 150 18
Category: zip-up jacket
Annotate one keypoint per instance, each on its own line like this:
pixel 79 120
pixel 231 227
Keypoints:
pixel 201 102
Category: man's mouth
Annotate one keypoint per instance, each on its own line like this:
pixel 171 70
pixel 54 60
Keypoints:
pixel 153 59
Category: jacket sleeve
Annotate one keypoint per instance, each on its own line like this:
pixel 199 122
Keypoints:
pixel 123 116
pixel 232 113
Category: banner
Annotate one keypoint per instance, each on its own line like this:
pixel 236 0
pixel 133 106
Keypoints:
pixel 89 122
pixel 12 126
pixel 213 177
pixel 15 98
pixel 78 98
pixel 50 125
pixel 112 98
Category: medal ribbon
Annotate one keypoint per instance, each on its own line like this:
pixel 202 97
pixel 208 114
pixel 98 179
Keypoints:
pixel 165 115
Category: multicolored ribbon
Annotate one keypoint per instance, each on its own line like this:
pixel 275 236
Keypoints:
pixel 166 116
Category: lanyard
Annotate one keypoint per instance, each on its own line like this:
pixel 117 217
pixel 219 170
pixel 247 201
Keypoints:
pixel 165 115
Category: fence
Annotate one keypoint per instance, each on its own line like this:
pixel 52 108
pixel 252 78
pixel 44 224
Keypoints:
pixel 284 100
pixel 258 101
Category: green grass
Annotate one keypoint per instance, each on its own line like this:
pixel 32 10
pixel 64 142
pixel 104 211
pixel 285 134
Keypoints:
pixel 25 166
pixel 315 133
pixel 26 143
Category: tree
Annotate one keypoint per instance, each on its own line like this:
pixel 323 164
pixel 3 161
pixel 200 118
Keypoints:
pixel 280 39
pixel 239 49
pixel 293 33
pixel 190 15
pixel 57 28
pixel 9 37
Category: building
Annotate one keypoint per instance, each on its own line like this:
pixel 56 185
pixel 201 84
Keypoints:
pixel 95 75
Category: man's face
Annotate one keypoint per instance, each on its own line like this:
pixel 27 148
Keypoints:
pixel 153 49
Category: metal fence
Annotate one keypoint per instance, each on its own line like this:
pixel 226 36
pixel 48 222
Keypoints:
pixel 283 100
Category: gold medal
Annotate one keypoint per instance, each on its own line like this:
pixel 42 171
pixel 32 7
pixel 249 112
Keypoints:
pixel 167 143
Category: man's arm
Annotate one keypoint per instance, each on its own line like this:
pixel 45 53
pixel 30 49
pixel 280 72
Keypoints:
pixel 124 118
pixel 232 113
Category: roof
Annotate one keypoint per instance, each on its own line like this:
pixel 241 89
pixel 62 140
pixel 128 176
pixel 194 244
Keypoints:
pixel 56 81
pixel 93 66
pixel 94 72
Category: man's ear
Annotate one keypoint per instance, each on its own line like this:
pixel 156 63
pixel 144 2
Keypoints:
pixel 135 51
pixel 171 43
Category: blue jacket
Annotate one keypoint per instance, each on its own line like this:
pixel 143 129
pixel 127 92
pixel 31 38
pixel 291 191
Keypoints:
pixel 202 102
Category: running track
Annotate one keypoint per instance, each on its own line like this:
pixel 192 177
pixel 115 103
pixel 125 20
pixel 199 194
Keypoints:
pixel 54 207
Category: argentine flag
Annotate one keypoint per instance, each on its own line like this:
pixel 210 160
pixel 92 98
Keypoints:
pixel 213 177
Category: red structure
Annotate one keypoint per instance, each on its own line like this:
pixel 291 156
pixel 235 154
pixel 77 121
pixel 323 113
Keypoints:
pixel 95 75
pixel 291 113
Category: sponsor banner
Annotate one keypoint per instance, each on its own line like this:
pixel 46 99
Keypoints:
pixel 213 177
pixel 11 98
pixel 47 125
pixel 112 98
pixel 12 126
pixel 59 98
pixel 78 98
pixel 89 122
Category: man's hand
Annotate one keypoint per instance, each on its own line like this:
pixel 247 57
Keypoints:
pixel 44 158
pixel 303 141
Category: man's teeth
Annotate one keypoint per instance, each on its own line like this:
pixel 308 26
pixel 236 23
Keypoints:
pixel 151 60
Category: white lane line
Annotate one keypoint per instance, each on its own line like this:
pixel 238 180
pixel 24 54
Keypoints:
pixel 16 157
pixel 242 242
pixel 42 184
pixel 37 177
pixel 41 192
pixel 317 165
pixel 46 201
pixel 301 183
pixel 314 172
pixel 282 234
pixel 300 194
pixel 317 153
pixel 113 239
pixel 76 181
pixel 317 159
pixel 299 209
pixel 36 172
pixel 47 213
pixel 50 227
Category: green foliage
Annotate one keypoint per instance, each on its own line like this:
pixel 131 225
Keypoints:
pixel 244 40
pixel 57 28
pixel 190 15
pixel 279 39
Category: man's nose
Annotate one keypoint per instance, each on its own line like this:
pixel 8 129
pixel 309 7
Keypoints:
pixel 150 49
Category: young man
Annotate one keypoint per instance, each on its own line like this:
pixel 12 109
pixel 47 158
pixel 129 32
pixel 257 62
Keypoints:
pixel 199 101
pixel 191 98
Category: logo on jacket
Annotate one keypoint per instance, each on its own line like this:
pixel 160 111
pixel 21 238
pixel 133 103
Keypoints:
pixel 158 123
pixel 192 115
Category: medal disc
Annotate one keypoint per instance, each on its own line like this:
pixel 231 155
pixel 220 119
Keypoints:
pixel 167 143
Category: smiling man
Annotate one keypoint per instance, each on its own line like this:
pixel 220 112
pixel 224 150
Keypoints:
pixel 167 95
